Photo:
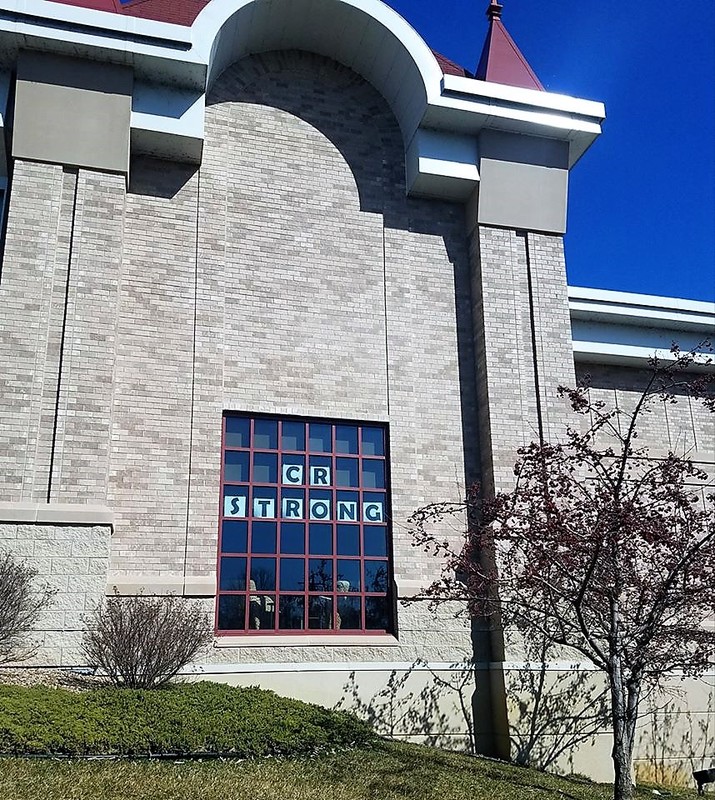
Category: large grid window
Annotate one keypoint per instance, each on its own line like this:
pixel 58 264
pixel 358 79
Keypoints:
pixel 304 542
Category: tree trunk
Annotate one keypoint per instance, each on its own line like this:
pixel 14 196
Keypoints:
pixel 624 712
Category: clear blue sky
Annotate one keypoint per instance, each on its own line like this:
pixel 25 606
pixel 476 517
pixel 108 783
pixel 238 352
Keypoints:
pixel 642 202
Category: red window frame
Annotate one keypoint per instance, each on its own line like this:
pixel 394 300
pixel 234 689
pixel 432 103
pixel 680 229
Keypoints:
pixel 256 603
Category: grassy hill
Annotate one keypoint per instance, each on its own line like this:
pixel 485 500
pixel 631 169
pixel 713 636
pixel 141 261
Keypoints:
pixel 387 771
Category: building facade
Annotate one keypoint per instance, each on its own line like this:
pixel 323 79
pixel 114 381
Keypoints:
pixel 276 275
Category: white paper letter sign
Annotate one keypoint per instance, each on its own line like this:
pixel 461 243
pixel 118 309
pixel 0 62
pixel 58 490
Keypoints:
pixel 292 474
pixel 264 507
pixel 320 476
pixel 372 512
pixel 234 506
pixel 320 509
pixel 292 508
pixel 347 511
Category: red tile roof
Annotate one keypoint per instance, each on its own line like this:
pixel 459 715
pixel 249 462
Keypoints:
pixel 450 67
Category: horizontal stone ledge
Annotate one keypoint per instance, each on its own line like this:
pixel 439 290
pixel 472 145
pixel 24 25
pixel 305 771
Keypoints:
pixel 161 585
pixel 56 514
pixel 242 641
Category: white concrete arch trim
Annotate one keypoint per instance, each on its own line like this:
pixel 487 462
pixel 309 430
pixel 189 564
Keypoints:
pixel 364 35
pixel 217 18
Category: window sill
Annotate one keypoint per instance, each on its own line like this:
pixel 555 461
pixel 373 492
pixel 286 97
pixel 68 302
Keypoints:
pixel 385 640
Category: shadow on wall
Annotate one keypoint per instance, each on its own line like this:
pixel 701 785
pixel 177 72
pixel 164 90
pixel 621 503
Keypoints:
pixel 549 718
pixel 674 743
pixel 418 703
pixel 551 713
pixel 151 177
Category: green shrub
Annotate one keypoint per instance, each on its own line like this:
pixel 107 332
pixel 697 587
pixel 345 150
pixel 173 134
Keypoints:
pixel 198 718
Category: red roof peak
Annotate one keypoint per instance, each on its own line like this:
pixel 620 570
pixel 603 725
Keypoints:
pixel 501 60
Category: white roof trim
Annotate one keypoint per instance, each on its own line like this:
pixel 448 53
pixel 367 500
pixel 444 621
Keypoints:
pixel 642 310
pixel 627 328
pixel 526 97
pixel 382 47
pixel 604 297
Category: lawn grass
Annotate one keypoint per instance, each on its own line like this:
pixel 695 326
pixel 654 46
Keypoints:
pixel 389 771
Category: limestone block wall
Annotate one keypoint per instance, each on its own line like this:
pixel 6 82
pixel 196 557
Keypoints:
pixel 72 561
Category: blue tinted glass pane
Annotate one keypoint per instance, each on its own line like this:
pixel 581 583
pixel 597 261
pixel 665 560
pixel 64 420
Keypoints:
pixel 349 613
pixel 265 434
pixel 235 466
pixel 346 472
pixel 263 573
pixel 291 613
pixel 293 436
pixel 265 503
pixel 347 507
pixel 320 506
pixel 232 613
pixel 233 575
pixel 348 578
pixel 320 438
pixel 375 538
pixel 321 539
pixel 373 442
pixel 238 432
pixel 293 470
pixel 377 617
pixel 234 537
pixel 348 540
pixel 346 439
pixel 261 612
pixel 374 507
pixel 376 576
pixel 320 575
pixel 320 613
pixel 373 474
pixel 292 504
pixel 292 575
pixel 235 501
pixel 320 472
pixel 263 537
pixel 265 468
pixel 292 537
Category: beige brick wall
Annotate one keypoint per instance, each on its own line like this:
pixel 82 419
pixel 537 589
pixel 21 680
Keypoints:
pixel 152 398
pixel 686 427
pixel 523 344
pixel 32 299
pixel 289 274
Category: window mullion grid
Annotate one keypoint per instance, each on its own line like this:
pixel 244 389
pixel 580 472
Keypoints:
pixel 361 558
pixel 334 522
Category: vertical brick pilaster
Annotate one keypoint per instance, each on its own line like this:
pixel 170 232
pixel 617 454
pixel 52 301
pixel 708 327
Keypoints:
pixel 152 399
pixel 80 463
pixel 32 298
pixel 552 342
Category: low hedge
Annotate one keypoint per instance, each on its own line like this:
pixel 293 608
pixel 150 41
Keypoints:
pixel 189 719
